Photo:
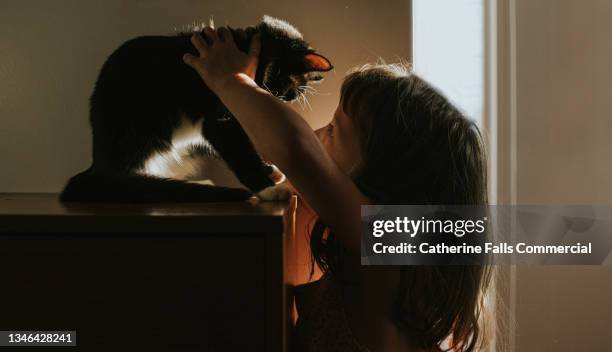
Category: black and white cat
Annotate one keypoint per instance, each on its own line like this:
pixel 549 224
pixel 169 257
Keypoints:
pixel 152 116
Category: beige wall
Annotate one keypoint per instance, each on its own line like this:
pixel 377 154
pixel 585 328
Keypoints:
pixel 51 51
pixel 564 146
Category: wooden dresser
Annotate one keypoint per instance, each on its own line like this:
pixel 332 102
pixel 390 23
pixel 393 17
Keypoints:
pixel 163 277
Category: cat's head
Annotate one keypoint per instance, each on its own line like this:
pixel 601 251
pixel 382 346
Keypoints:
pixel 287 63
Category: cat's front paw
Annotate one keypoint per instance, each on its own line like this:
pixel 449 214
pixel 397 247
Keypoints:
pixel 281 191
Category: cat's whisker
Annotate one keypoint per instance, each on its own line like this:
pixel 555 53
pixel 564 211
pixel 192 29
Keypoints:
pixel 272 92
pixel 317 93
pixel 307 102
pixel 302 100
pixel 313 93
pixel 297 98
pixel 309 88
pixel 312 90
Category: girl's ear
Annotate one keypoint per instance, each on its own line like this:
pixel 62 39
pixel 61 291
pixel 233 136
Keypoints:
pixel 316 62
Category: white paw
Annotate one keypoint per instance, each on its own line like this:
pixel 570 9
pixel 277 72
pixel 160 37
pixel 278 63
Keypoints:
pixel 277 176
pixel 279 191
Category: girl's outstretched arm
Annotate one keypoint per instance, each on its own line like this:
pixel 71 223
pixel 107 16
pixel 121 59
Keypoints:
pixel 279 133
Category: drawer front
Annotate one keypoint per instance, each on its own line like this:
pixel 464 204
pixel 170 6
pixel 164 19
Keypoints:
pixel 164 292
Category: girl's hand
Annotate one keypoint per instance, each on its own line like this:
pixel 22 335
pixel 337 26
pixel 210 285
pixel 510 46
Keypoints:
pixel 220 59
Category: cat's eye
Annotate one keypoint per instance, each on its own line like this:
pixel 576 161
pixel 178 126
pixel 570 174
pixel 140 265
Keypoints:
pixel 316 78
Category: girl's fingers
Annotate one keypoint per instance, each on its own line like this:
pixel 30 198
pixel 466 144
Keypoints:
pixel 236 34
pixel 189 59
pixel 241 33
pixel 199 43
pixel 224 34
pixel 211 35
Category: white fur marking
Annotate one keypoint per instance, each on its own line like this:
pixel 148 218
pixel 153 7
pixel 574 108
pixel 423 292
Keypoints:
pixel 188 133
pixel 176 162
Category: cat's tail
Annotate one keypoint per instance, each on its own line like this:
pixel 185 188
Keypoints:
pixel 94 187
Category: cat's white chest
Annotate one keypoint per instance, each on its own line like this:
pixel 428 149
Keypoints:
pixel 177 162
pixel 188 133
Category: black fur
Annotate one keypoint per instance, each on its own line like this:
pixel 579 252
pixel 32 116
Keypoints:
pixel 141 93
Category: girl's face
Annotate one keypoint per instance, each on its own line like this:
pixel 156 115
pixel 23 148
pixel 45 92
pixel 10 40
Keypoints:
pixel 341 140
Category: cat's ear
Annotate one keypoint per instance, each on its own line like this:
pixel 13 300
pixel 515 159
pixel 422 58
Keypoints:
pixel 317 62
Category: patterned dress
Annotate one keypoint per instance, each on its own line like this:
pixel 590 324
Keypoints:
pixel 322 325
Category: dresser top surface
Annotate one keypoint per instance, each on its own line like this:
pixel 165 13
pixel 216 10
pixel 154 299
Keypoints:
pixel 26 210
pixel 49 204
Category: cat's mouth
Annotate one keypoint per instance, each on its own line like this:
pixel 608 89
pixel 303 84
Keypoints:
pixel 291 95
pixel 294 93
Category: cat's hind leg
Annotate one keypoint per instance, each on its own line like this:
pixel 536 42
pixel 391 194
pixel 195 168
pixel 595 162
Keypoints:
pixel 89 186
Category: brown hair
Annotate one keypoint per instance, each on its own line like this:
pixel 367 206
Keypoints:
pixel 417 148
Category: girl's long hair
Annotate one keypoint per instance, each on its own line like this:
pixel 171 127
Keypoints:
pixel 417 148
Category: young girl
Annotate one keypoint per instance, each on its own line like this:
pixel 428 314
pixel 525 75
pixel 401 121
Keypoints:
pixel 393 140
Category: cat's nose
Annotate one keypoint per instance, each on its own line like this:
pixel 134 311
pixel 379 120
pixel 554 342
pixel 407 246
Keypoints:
pixel 290 95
